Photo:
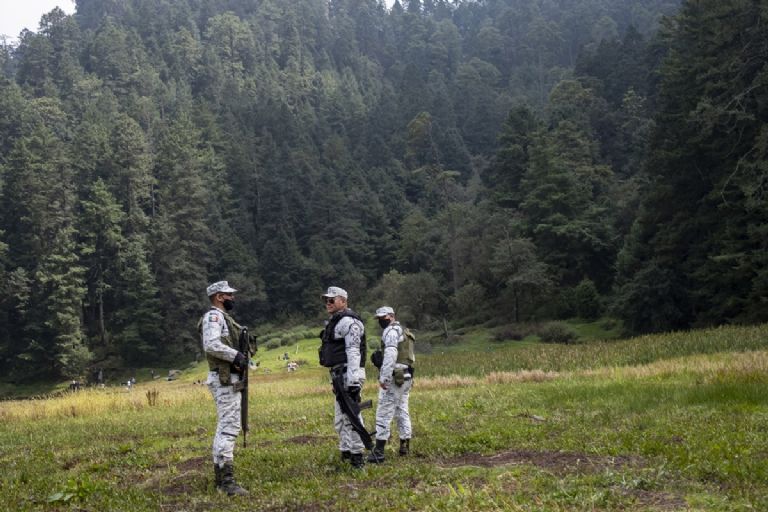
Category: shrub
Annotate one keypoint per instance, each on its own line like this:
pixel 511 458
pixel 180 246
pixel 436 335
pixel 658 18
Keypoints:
pixel 586 300
pixel 557 332
pixel 272 344
pixel 452 339
pixel 422 347
pixel 470 293
pixel 440 340
pixel 511 332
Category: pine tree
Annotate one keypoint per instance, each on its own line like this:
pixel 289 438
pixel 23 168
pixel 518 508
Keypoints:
pixel 188 188
pixel 701 220
pixel 39 201
pixel 567 205
pixel 101 244
pixel 505 175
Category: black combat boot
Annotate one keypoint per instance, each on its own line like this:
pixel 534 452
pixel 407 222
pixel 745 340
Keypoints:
pixel 228 484
pixel 356 459
pixel 405 447
pixel 377 454
pixel 346 455
pixel 217 475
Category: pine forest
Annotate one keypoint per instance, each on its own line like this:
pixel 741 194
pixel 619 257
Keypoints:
pixel 464 161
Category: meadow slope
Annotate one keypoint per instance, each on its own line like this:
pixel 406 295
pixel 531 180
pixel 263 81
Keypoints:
pixel 669 422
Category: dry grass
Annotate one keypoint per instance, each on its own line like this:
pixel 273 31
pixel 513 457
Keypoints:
pixel 455 381
pixel 710 367
pixel 94 402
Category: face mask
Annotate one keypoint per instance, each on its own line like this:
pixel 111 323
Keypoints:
pixel 229 304
pixel 384 322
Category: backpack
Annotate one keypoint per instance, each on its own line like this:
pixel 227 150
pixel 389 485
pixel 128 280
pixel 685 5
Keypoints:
pixel 405 347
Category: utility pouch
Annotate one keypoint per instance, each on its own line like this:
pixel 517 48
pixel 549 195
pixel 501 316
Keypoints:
pixel 398 375
pixel 377 358
pixel 225 375
pixel 238 386
pixel 320 356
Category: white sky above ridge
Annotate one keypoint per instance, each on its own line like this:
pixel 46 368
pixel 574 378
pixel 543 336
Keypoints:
pixel 16 15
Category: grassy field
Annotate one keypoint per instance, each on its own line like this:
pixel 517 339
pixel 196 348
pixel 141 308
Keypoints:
pixel 670 422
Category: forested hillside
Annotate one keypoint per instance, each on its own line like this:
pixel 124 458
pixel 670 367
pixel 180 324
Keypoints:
pixel 460 160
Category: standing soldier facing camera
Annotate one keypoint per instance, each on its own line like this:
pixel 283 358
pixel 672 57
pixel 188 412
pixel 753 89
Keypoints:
pixel 227 366
pixel 395 382
pixel 343 351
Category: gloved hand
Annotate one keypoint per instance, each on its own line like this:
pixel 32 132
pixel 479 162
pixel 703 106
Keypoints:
pixel 240 362
pixel 354 393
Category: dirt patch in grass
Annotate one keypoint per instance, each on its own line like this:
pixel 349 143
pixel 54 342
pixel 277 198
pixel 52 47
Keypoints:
pixel 556 462
pixel 191 479
pixel 186 505
pixel 657 499
pixel 193 464
pixel 302 507
pixel 71 463
pixel 309 439
pixel 179 487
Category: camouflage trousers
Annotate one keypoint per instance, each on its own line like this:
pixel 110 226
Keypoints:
pixel 349 440
pixel 228 413
pixel 393 403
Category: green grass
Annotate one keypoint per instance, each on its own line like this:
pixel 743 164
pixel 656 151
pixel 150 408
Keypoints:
pixel 601 329
pixel 667 422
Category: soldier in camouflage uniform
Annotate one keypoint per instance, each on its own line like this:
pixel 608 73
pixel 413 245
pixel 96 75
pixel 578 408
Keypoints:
pixel 219 334
pixel 343 349
pixel 395 382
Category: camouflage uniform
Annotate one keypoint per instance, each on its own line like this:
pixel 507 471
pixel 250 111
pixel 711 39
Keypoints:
pixel 393 401
pixel 219 333
pixel 351 330
pixel 215 328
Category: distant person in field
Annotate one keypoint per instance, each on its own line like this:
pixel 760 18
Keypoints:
pixel 395 382
pixel 343 350
pixel 219 333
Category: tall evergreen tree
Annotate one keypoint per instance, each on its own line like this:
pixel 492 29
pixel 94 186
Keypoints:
pixel 700 216
pixel 182 238
pixel 505 175
pixel 39 201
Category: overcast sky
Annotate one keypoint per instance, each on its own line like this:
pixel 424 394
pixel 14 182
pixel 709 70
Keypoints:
pixel 16 15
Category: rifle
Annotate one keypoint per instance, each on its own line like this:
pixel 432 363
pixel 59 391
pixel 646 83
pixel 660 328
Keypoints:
pixel 350 407
pixel 244 346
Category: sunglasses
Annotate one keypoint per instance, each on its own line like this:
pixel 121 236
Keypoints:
pixel 330 300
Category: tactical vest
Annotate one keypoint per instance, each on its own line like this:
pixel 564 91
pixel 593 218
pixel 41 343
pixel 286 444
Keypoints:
pixel 214 363
pixel 333 351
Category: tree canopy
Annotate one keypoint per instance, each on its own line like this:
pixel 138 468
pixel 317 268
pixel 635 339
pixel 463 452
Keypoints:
pixel 505 160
